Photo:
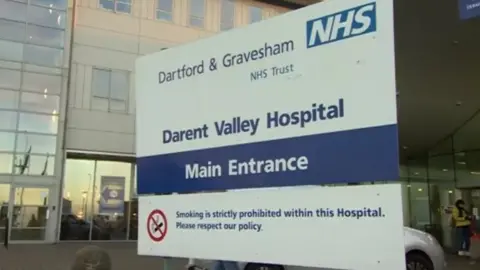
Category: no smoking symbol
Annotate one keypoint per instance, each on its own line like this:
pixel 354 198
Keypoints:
pixel 157 225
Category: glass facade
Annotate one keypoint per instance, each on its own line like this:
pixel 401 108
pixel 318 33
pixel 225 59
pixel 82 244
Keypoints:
pixel 32 37
pixel 434 181
pixel 4 198
pixel 450 170
pixel 98 196
pixel 99 202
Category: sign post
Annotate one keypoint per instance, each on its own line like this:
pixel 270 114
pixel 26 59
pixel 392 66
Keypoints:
pixel 274 111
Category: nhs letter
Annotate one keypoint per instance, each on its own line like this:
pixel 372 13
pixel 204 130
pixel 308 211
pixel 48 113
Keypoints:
pixel 341 25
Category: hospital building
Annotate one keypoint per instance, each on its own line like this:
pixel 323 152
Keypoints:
pixel 67 107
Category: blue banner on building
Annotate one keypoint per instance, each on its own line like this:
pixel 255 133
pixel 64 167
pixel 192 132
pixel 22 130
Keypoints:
pixel 112 194
pixel 468 9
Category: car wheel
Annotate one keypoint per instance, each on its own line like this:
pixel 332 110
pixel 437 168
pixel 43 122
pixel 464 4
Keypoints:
pixel 260 266
pixel 418 261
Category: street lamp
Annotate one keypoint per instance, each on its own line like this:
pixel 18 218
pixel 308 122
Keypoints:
pixel 84 202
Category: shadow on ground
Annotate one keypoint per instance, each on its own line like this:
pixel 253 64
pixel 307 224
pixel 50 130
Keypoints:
pixel 124 257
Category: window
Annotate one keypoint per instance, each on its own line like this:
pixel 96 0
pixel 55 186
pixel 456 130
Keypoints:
pixel 134 191
pixel 10 30
pixel 227 15
pixel 6 162
pixel 256 14
pixel 8 99
pixel 35 165
pixel 40 144
pixel 107 4
pixel 42 56
pixel 77 195
pixel 40 69
pixel 46 17
pixel 9 120
pixel 57 4
pixel 12 51
pixel 99 191
pixel 30 122
pixel 45 36
pixel 40 103
pixel 115 176
pixel 164 10
pixel 110 90
pixel 9 78
pixel 4 197
pixel 197 13
pixel 7 140
pixel 45 84
pixel 13 10
pixel 123 6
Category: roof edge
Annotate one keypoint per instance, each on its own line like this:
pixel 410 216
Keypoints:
pixel 282 3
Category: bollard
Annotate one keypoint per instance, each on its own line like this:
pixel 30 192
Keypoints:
pixel 92 258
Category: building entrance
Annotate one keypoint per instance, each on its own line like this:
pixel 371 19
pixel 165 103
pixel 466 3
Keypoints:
pixel 29 215
pixel 472 200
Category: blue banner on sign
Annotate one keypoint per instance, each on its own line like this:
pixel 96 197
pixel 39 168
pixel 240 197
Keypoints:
pixel 469 8
pixel 369 154
pixel 112 194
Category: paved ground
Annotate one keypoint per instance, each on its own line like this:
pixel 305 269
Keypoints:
pixel 60 257
pixel 455 263
pixel 124 257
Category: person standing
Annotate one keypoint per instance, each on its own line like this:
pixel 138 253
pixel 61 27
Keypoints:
pixel 462 220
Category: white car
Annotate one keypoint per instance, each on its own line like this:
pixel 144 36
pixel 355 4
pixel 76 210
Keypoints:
pixel 422 252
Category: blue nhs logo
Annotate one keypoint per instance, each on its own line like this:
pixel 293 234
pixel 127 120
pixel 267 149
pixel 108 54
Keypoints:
pixel 342 25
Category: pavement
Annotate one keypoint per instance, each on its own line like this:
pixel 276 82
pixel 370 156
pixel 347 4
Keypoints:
pixel 60 257
pixel 458 263
pixel 124 257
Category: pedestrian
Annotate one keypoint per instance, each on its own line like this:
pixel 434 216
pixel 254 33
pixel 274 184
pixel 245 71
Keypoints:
pixel 461 221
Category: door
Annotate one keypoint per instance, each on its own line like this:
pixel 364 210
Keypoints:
pixel 30 214
pixel 472 201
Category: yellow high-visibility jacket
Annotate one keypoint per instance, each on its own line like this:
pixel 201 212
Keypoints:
pixel 460 221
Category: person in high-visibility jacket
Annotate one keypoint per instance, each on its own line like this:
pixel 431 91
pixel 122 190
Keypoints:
pixel 462 220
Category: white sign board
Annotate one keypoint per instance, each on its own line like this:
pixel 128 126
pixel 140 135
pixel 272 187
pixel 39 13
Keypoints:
pixel 356 227
pixel 304 98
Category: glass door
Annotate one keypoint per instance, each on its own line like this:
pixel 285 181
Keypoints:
pixel 472 199
pixel 29 213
